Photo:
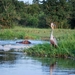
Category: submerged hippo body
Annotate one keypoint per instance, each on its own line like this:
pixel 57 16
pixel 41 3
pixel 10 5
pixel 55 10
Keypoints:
pixel 24 42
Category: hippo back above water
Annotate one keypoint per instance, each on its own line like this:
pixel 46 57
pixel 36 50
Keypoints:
pixel 24 42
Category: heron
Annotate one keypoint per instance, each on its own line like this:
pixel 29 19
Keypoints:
pixel 53 40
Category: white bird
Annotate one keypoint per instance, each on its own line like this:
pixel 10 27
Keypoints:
pixel 52 38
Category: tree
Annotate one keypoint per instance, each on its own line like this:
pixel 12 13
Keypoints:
pixel 35 1
pixel 7 13
pixel 72 19
pixel 57 11
pixel 61 12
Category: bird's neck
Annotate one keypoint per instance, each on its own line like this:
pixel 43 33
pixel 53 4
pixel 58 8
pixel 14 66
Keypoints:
pixel 52 34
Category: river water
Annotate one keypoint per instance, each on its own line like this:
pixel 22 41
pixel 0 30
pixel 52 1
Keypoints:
pixel 17 63
pixel 6 45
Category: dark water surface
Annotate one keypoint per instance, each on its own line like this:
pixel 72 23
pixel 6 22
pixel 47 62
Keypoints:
pixel 17 63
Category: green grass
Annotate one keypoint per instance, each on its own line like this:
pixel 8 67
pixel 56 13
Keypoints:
pixel 35 33
pixel 45 50
pixel 65 38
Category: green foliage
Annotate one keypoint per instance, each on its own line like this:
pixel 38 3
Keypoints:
pixel 32 21
pixel 7 15
pixel 65 38
pixel 61 12
pixel 45 50
pixel 65 49
pixel 10 34
pixel 72 20
pixel 58 12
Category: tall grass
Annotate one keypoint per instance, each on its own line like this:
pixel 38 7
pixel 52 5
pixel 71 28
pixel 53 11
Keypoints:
pixel 46 50
pixel 65 38
pixel 35 33
pixel 18 32
pixel 11 34
pixel 66 46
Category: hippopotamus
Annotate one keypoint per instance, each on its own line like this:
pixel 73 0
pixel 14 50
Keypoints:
pixel 24 42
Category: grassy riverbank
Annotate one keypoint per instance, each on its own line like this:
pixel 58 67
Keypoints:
pixel 66 45
pixel 45 50
pixel 35 33
pixel 24 33
pixel 65 38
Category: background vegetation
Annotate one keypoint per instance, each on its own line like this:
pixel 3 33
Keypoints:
pixel 38 14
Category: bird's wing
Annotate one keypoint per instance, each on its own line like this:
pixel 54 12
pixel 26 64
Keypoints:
pixel 55 41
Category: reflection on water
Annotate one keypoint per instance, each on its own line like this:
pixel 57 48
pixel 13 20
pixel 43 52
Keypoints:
pixel 17 63
pixel 52 67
